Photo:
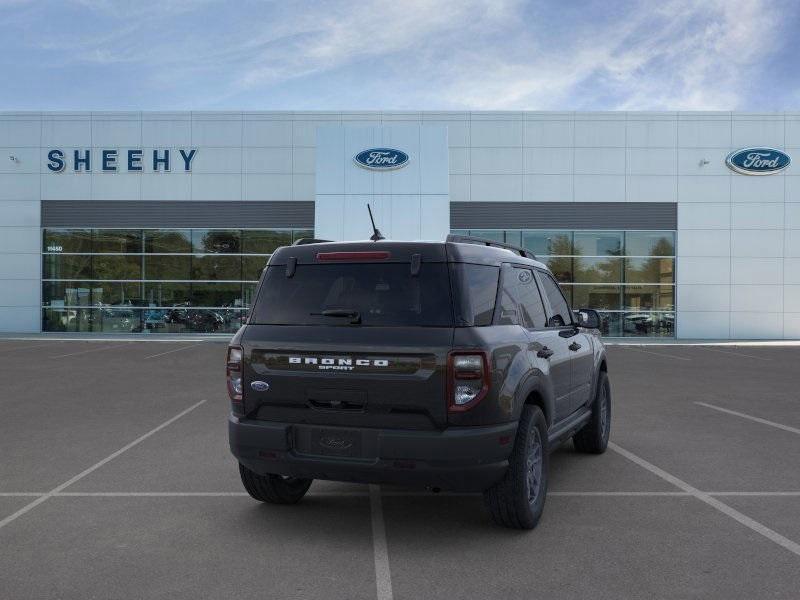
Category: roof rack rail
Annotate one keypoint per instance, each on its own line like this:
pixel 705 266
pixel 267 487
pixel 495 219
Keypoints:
pixel 468 239
pixel 304 241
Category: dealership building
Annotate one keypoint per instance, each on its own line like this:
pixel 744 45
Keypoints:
pixel 671 224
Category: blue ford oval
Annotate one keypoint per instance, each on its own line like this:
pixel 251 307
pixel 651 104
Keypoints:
pixel 381 159
pixel 758 161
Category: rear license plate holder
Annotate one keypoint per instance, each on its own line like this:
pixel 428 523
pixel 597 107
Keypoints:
pixel 343 443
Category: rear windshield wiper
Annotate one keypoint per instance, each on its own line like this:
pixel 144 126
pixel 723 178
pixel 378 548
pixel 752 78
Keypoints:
pixel 347 313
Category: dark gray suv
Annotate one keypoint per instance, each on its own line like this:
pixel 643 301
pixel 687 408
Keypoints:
pixel 454 365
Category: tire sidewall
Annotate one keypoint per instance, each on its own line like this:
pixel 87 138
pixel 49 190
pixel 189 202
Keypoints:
pixel 603 433
pixel 530 513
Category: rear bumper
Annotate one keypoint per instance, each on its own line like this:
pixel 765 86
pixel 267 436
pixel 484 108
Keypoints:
pixel 458 458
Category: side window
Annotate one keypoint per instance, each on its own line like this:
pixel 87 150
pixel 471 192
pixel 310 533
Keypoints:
pixel 561 315
pixel 509 310
pixel 475 290
pixel 530 301
pixel 520 302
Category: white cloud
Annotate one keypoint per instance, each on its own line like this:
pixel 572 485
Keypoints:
pixel 684 56
pixel 328 38
pixel 472 54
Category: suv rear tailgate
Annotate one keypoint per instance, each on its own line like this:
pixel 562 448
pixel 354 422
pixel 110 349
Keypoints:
pixel 347 376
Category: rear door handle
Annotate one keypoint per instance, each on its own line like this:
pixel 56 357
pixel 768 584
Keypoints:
pixel 574 346
pixel 545 352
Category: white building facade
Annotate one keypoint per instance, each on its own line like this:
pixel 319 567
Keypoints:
pixel 161 222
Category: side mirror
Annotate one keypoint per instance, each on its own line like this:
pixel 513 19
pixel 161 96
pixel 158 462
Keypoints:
pixel 588 318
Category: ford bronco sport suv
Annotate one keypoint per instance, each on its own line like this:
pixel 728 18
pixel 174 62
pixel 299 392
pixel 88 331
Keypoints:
pixel 453 365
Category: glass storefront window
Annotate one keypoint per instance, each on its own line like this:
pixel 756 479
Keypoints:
pixel 168 241
pixel 264 241
pixel 117 266
pixel 117 240
pixel 216 268
pixel 548 243
pixel 648 324
pixel 650 270
pixel 217 294
pixel 167 293
pixel 163 280
pixel 67 266
pixel 176 268
pixel 650 243
pixel 649 297
pixel 226 241
pixel 598 243
pixel 67 240
pixel 598 297
pixel 598 270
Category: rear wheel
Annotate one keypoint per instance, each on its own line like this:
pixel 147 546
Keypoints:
pixel 593 438
pixel 275 489
pixel 517 501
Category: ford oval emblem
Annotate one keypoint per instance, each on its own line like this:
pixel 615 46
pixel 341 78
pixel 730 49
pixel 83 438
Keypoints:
pixel 758 161
pixel 260 386
pixel 335 443
pixel 381 159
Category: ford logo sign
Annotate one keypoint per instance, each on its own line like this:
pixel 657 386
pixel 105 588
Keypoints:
pixel 259 386
pixel 758 161
pixel 381 159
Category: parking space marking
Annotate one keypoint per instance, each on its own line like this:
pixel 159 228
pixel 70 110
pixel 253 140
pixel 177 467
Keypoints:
pixel 397 494
pixel 734 514
pixel 756 494
pixel 742 354
pixel 60 488
pixel 171 351
pixel 383 576
pixel 750 418
pixel 91 350
pixel 24 348
pixel 656 353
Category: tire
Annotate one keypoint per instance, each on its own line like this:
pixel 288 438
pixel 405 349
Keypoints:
pixel 593 438
pixel 274 489
pixel 517 501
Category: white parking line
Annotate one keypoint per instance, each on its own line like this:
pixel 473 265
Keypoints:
pixel 734 514
pixel 150 494
pixel 30 506
pixel 171 351
pixel 656 353
pixel 398 494
pixel 756 494
pixel 383 576
pixel 90 350
pixel 742 354
pixel 24 348
pixel 750 418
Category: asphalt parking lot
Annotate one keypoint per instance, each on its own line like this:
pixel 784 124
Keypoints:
pixel 116 482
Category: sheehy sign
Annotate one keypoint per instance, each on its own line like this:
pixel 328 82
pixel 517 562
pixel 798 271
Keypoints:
pixel 111 161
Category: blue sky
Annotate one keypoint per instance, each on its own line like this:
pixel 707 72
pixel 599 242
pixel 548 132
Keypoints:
pixel 393 54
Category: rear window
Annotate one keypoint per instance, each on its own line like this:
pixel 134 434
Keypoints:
pixel 383 295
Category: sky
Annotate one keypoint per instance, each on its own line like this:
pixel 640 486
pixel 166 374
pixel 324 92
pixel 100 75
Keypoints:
pixel 400 55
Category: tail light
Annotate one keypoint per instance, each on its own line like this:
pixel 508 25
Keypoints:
pixel 233 372
pixel 467 379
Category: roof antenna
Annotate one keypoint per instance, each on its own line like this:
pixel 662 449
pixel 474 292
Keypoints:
pixel 377 235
